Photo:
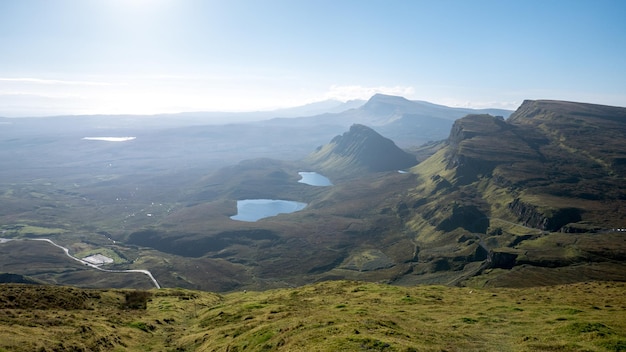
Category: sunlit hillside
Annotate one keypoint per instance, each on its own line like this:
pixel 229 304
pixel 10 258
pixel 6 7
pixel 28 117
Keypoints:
pixel 328 316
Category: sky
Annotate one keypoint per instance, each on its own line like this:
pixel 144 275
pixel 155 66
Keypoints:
pixel 162 56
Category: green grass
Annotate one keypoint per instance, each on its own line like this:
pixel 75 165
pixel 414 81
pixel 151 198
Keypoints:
pixel 142 326
pixel 20 230
pixel 328 316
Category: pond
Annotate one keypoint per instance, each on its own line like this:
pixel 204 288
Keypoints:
pixel 252 210
pixel 314 179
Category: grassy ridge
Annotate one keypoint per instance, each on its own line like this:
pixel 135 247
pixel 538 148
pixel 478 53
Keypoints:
pixel 328 316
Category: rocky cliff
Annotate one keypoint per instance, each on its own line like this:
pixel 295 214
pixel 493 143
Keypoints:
pixel 551 168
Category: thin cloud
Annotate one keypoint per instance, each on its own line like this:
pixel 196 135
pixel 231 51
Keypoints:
pixel 53 81
pixel 508 105
pixel 37 95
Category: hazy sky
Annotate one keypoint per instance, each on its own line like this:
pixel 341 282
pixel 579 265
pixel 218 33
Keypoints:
pixel 148 56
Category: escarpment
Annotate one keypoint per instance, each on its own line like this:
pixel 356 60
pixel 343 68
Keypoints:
pixel 547 220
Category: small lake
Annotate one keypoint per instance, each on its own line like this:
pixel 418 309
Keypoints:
pixel 314 179
pixel 252 210
pixel 109 139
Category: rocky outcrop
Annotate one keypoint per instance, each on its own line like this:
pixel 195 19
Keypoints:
pixel 580 228
pixel 475 125
pixel 502 260
pixel 549 220
pixel 467 152
pixel 455 261
pixel 468 217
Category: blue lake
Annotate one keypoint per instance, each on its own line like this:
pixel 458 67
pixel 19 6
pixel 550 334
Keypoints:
pixel 314 179
pixel 252 210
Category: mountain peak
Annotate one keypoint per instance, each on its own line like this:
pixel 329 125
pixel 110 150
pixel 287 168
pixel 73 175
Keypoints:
pixel 359 130
pixel 361 148
pixel 378 97
pixel 382 104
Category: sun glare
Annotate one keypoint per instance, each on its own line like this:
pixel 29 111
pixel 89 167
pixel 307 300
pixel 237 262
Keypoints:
pixel 140 11
pixel 136 4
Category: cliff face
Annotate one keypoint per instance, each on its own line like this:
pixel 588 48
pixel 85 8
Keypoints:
pixel 470 150
pixel 549 156
pixel 547 220
pixel 552 167
pixel 475 125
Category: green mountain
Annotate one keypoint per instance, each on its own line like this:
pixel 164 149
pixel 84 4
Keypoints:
pixel 360 149
pixel 540 194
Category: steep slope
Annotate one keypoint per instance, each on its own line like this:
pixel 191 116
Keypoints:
pixel 553 155
pixel 359 149
pixel 505 191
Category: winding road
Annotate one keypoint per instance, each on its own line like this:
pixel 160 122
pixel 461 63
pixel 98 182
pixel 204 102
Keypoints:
pixel 67 252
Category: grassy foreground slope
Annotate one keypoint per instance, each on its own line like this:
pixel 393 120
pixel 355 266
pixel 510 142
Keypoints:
pixel 328 316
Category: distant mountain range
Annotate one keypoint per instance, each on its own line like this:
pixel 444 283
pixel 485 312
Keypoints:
pixel 533 198
pixel 378 107
pixel 173 141
pixel 224 117
pixel 406 122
